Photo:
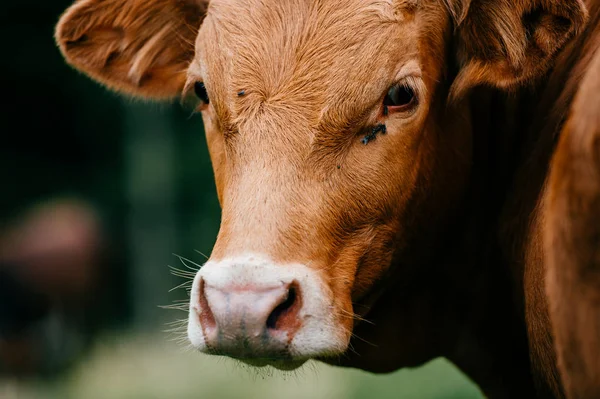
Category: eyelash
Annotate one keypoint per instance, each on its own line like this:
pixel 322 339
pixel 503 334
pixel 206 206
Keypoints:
pixel 201 93
pixel 400 97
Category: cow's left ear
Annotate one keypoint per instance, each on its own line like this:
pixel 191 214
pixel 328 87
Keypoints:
pixel 504 43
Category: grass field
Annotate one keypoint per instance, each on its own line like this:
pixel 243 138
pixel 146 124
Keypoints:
pixel 135 367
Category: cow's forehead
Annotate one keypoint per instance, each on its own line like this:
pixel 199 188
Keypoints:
pixel 304 51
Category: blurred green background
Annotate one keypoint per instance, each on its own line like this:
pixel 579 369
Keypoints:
pixel 99 193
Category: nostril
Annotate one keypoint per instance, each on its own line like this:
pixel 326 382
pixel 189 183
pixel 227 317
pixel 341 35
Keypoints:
pixel 207 319
pixel 285 315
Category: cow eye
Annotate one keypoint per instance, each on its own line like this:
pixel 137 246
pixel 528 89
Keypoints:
pixel 400 97
pixel 200 91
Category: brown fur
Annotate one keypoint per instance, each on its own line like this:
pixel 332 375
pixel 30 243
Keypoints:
pixel 135 47
pixel 455 190
pixel 541 112
pixel 503 43
pixel 573 241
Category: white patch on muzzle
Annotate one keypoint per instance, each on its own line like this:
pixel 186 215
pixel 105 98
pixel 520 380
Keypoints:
pixel 319 334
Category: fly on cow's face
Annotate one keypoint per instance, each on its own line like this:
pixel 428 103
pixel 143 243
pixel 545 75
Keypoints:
pixel 380 128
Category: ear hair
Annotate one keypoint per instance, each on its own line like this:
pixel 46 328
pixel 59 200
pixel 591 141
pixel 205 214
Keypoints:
pixel 507 43
pixel 138 47
pixel 458 10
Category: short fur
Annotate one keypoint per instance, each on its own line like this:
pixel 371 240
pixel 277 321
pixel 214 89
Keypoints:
pixel 139 47
pixel 572 240
pixel 448 232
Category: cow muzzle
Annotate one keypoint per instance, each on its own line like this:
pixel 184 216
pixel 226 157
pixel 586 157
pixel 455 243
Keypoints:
pixel 254 310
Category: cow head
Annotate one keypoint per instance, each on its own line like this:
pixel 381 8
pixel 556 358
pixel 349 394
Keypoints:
pixel 337 158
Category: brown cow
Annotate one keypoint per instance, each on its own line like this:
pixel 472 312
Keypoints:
pixel 365 172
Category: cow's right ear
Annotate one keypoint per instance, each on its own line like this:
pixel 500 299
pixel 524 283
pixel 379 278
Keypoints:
pixel 506 43
pixel 138 47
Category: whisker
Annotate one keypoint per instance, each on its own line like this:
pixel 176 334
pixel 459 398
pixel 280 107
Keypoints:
pixel 201 253
pixel 181 273
pixel 185 284
pixel 176 322
pixel 353 335
pixel 354 316
pixel 186 301
pixel 180 307
pixel 183 261
pixel 351 348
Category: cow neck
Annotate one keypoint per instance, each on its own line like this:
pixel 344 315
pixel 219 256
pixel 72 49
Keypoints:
pixel 511 164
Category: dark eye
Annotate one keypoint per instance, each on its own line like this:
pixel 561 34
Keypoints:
pixel 201 93
pixel 400 97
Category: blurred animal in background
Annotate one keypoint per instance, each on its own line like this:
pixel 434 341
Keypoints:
pixel 398 179
pixel 49 269
pixel 57 159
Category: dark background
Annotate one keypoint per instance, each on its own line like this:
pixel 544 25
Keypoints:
pixel 142 168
